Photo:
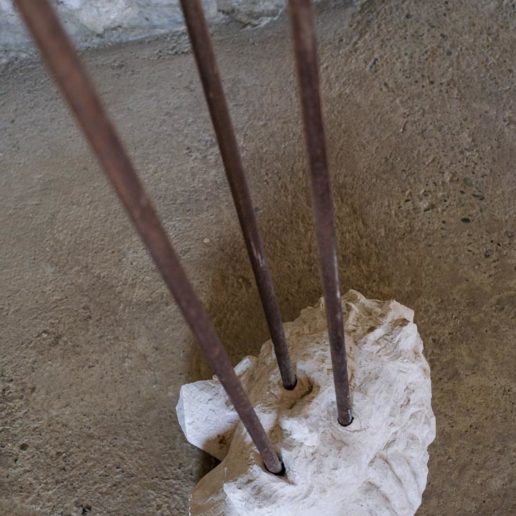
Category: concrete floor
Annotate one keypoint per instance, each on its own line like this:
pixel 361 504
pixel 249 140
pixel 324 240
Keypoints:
pixel 420 113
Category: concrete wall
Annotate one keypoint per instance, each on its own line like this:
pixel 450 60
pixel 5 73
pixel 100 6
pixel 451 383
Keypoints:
pixel 101 22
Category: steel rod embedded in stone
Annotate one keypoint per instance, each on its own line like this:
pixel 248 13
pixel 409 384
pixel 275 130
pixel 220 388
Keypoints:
pixel 305 49
pixel 213 90
pixel 80 94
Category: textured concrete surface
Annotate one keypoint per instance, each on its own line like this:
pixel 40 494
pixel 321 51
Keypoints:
pixel 420 114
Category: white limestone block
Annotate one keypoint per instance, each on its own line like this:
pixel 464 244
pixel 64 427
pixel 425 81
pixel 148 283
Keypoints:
pixel 377 465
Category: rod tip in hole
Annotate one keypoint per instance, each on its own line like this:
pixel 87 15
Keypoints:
pixel 291 386
pixel 347 419
pixel 280 473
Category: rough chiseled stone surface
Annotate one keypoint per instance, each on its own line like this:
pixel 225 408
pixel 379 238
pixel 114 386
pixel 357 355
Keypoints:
pixel 377 465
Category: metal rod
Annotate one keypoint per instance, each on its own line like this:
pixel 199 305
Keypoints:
pixel 80 94
pixel 305 48
pixel 214 93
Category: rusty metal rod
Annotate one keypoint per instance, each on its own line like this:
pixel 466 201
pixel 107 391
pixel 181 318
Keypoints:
pixel 214 93
pixel 305 49
pixel 85 104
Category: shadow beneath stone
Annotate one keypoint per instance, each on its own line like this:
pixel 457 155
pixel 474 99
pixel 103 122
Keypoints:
pixel 206 464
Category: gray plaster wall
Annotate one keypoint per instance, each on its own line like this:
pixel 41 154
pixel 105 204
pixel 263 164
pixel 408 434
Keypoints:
pixel 94 23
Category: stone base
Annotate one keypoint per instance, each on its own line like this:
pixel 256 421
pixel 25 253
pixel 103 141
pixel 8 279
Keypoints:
pixel 377 465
